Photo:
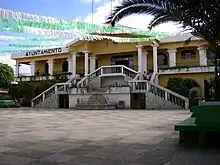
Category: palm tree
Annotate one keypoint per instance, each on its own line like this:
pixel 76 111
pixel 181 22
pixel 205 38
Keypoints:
pixel 201 17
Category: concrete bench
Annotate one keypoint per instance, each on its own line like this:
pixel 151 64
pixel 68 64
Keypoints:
pixel 204 119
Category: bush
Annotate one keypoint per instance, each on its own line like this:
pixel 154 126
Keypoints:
pixel 178 85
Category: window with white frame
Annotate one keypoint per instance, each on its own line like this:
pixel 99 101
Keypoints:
pixel 188 54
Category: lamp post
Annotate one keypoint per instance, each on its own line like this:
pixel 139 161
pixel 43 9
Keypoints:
pixel 217 77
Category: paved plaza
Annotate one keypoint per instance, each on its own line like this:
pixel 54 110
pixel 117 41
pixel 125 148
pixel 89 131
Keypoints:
pixel 40 137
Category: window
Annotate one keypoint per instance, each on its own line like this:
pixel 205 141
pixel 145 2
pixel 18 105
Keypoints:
pixel 188 54
pixel 161 59
pixel 210 55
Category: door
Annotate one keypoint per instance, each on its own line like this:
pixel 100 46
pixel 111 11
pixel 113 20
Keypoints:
pixel 63 101
pixel 138 101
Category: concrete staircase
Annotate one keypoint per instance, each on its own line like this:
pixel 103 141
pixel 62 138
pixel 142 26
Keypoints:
pixel 158 97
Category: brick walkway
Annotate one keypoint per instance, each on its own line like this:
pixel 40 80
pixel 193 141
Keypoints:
pixel 37 137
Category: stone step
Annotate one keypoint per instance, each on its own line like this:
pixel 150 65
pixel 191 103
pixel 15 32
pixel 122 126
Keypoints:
pixel 95 107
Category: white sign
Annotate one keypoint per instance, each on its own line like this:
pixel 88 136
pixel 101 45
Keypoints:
pixel 39 53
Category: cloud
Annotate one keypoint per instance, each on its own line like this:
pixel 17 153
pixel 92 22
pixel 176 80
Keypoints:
pixel 136 21
pixel 6 59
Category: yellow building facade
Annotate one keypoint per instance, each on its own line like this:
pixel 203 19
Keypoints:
pixel 170 57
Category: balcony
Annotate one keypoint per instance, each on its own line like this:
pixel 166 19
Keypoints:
pixel 187 68
pixel 44 76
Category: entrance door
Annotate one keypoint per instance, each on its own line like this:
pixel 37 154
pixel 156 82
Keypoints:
pixel 126 60
pixel 63 101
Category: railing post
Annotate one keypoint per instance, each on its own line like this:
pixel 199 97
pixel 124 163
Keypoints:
pixel 147 86
pixel 166 95
pixel 32 103
pixel 56 89
pixel 101 70
pixel 43 96
pixel 186 104
pixel 122 69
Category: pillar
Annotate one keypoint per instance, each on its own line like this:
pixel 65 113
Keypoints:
pixel 144 61
pixel 202 56
pixel 155 64
pixel 86 62
pixel 139 47
pixel 172 57
pixel 33 68
pixel 17 68
pixel 70 65
pixel 51 67
pixel 74 64
pixel 92 61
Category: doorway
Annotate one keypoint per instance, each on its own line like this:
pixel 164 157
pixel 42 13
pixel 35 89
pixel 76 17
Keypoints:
pixel 64 101
pixel 126 60
pixel 138 101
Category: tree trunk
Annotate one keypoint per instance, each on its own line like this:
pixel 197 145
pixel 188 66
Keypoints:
pixel 217 75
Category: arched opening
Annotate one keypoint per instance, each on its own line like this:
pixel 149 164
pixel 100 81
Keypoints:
pixel 46 68
pixel 65 66
pixel 162 59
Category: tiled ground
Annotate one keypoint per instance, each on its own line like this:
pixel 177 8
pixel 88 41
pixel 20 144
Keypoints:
pixel 38 137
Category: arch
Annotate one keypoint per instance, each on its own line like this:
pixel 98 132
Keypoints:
pixel 97 99
pixel 46 68
pixel 65 66
pixel 193 88
pixel 162 59
pixel 211 55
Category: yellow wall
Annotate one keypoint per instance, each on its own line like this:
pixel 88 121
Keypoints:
pixel 198 77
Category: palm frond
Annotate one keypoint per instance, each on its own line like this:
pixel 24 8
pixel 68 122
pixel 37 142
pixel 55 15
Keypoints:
pixel 161 18
pixel 129 7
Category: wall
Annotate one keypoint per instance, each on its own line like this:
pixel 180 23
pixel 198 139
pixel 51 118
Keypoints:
pixel 50 102
pixel 111 80
pixel 116 94
pixel 199 78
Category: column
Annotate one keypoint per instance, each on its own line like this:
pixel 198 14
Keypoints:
pixel 155 67
pixel 172 57
pixel 202 56
pixel 139 47
pixel 51 66
pixel 86 62
pixel 70 65
pixel 144 61
pixel 17 68
pixel 92 61
pixel 33 68
pixel 74 64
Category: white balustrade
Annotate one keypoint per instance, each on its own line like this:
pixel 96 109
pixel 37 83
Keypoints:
pixel 108 71
pixel 59 87
pixel 141 86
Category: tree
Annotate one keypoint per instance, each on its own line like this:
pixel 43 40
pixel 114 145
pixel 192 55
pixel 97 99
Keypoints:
pixel 201 17
pixel 6 75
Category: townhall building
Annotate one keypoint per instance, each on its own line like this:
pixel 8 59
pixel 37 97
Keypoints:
pixel 170 57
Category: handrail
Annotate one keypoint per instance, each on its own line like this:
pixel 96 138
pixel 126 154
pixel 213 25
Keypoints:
pixel 50 88
pixel 167 91
pixel 162 88
pixel 53 86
